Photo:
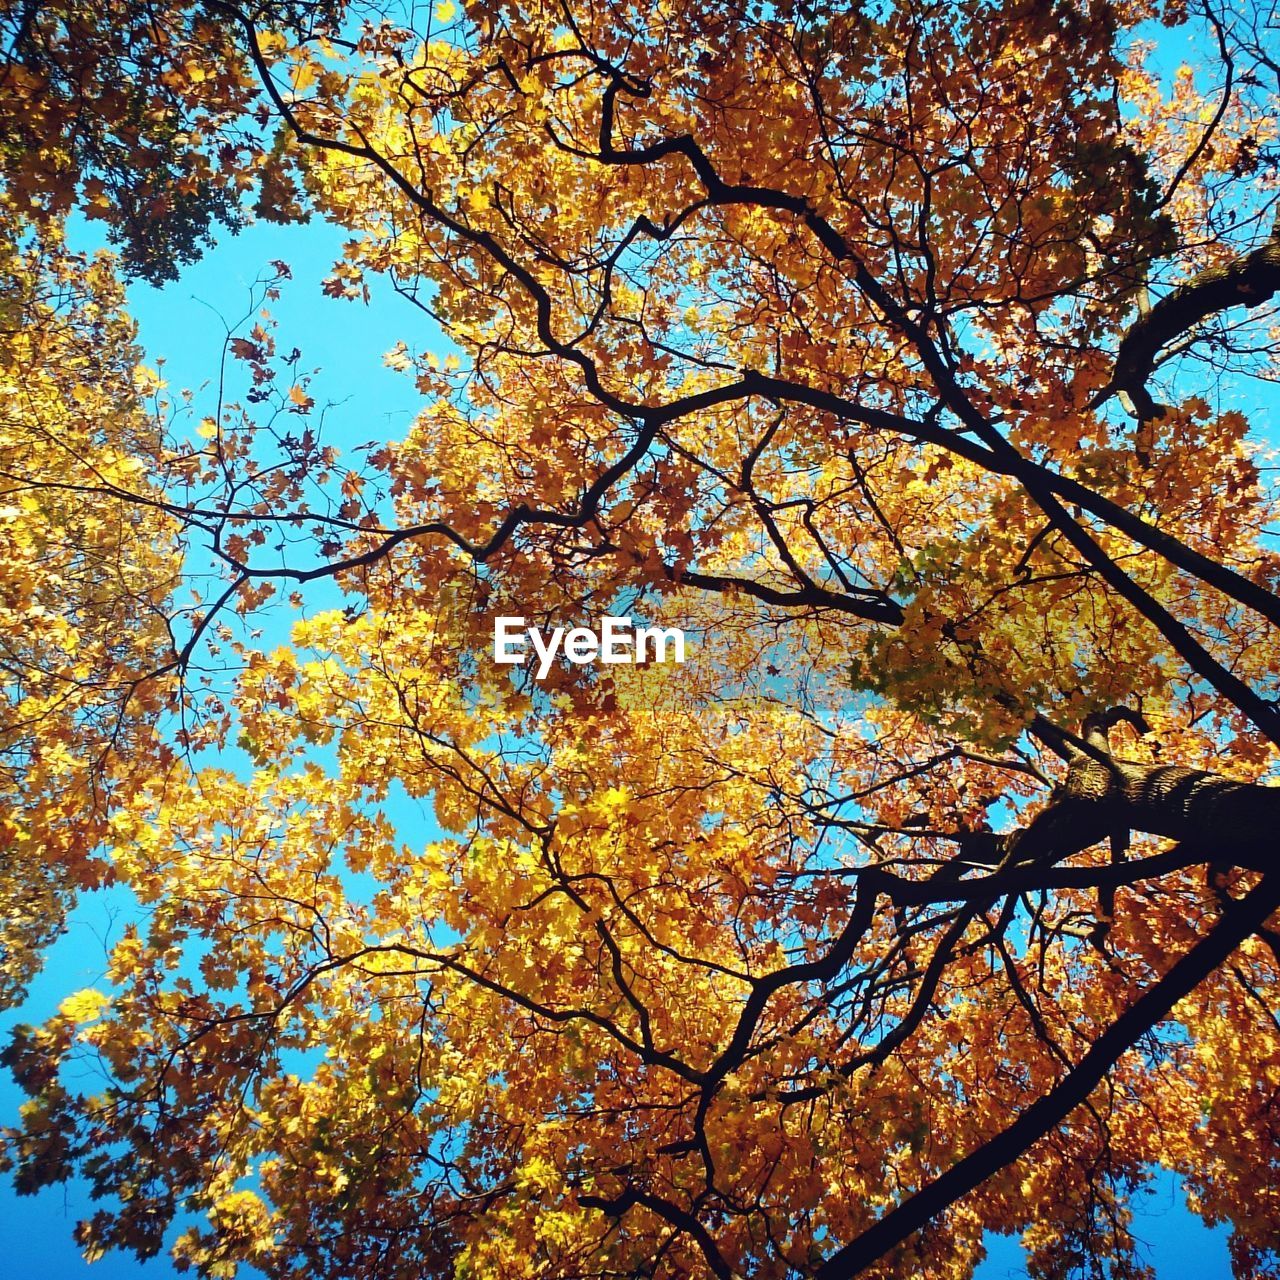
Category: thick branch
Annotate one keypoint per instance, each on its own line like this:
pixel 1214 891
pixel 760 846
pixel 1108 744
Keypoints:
pixel 1246 281
pixel 1042 1116
pixel 1235 822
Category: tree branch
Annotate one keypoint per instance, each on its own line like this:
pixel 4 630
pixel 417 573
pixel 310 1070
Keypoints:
pixel 1072 1090
pixel 1246 281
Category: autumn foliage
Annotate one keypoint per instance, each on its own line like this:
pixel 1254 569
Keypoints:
pixel 913 358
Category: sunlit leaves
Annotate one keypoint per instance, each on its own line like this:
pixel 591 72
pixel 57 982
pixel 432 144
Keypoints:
pixel 793 329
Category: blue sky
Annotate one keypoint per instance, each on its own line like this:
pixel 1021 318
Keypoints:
pixel 185 324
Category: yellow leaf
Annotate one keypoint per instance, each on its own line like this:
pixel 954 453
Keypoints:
pixel 84 1006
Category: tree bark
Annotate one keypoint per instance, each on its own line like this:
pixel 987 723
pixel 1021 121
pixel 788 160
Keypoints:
pixel 1226 820
pixel 1236 822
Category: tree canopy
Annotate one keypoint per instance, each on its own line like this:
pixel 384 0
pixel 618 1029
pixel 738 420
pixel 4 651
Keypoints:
pixel 915 359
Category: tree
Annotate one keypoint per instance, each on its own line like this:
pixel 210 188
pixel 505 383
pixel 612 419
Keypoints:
pixel 903 355
pixel 86 579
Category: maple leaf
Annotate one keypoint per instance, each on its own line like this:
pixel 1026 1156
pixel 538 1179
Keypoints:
pixel 300 401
